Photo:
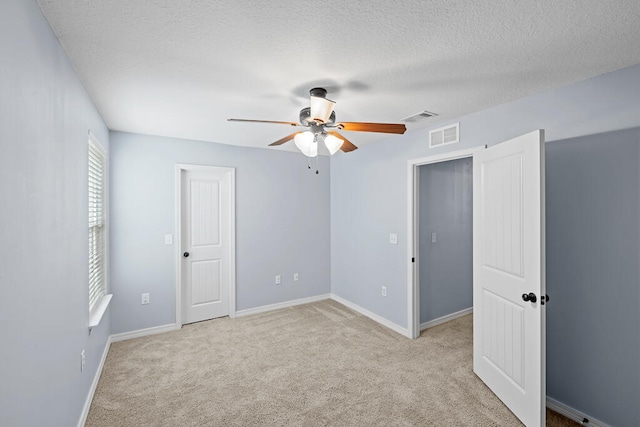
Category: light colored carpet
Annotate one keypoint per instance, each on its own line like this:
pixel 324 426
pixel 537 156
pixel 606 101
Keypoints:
pixel 318 364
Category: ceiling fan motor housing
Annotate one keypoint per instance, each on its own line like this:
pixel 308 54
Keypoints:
pixel 305 114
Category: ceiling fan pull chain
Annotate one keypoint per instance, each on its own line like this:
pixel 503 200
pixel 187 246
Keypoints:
pixel 317 171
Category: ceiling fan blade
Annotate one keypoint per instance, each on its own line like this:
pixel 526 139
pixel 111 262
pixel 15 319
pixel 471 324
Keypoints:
pixel 347 145
pixel 285 139
pixel 398 128
pixel 263 121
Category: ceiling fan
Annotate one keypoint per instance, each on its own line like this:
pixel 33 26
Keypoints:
pixel 320 118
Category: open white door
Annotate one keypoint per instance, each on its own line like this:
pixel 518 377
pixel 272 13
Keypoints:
pixel 508 266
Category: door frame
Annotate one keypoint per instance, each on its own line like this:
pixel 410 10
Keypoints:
pixel 413 279
pixel 232 233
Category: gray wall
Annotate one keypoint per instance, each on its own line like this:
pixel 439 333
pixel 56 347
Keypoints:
pixel 369 187
pixel 445 205
pixel 369 196
pixel 45 116
pixel 282 225
pixel 593 274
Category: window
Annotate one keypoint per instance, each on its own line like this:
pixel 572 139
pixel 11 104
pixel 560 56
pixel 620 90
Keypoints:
pixel 97 230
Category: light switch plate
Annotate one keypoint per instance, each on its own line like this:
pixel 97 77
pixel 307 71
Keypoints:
pixel 168 239
pixel 393 238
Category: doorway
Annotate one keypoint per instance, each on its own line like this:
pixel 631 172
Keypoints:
pixel 416 166
pixel 205 246
pixel 445 240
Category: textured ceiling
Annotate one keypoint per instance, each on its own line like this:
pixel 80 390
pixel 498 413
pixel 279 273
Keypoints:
pixel 180 68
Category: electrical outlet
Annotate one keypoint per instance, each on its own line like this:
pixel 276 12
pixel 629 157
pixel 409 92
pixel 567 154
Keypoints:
pixel 383 291
pixel 393 238
pixel 295 277
pixel 278 279
pixel 145 298
pixel 82 361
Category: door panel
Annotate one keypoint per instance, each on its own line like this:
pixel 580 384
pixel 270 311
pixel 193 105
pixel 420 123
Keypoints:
pixel 205 281
pixel 205 212
pixel 206 198
pixel 503 345
pixel 509 344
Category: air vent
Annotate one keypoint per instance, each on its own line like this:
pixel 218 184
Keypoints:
pixel 418 117
pixel 445 135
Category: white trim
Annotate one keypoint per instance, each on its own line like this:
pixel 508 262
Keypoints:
pixel 145 332
pixel 444 319
pixel 98 311
pixel 375 317
pixel 178 232
pixel 278 306
pixel 94 385
pixel 413 288
pixel 413 299
pixel 451 155
pixel 573 414
pixel 232 243
pixel 178 242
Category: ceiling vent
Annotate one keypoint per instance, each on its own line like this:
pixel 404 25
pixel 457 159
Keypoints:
pixel 418 117
pixel 445 135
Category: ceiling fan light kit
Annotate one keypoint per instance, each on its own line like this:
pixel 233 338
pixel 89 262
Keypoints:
pixel 332 143
pixel 307 143
pixel 321 119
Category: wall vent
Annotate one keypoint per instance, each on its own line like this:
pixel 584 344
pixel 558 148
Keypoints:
pixel 418 117
pixel 444 135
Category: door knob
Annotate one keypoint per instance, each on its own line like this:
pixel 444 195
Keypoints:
pixel 186 254
pixel 530 297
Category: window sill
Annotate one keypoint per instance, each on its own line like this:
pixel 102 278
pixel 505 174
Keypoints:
pixel 96 315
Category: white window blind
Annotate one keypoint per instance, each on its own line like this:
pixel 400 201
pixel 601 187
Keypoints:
pixel 97 224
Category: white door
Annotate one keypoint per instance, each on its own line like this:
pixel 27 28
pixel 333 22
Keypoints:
pixel 509 263
pixel 205 246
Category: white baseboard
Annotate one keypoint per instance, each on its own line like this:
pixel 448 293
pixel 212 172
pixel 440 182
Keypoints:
pixel 94 384
pixel 444 319
pixel 573 414
pixel 144 332
pixel 278 306
pixel 394 327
